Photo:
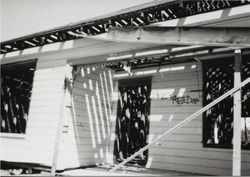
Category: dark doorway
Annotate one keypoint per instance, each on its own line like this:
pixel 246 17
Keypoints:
pixel 132 123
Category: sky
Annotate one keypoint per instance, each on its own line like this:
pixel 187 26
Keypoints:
pixel 24 17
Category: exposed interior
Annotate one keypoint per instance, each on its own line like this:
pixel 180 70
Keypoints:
pixel 16 89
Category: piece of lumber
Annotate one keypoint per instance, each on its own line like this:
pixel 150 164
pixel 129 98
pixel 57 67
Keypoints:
pixel 207 36
pixel 237 116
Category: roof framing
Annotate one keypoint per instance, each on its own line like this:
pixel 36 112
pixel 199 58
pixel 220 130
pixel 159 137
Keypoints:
pixel 141 15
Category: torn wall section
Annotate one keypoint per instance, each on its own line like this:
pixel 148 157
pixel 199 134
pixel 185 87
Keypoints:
pixel 87 120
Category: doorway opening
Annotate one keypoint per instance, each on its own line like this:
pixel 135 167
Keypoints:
pixel 132 122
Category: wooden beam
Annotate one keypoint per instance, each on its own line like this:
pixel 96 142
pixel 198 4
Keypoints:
pixel 208 36
pixel 58 135
pixel 237 117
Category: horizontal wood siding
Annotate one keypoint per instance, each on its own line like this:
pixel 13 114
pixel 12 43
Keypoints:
pixel 183 150
pixel 87 138
pixel 37 145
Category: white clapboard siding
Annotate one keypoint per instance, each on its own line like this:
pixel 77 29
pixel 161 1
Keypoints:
pixel 37 145
pixel 183 150
pixel 86 140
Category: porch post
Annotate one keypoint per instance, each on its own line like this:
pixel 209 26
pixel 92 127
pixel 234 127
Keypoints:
pixel 237 117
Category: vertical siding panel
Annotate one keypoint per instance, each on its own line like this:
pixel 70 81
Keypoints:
pixel 87 139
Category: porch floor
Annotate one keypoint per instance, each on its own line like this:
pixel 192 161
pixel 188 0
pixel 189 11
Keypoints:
pixel 124 171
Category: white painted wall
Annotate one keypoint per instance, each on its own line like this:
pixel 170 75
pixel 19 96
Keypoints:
pixel 183 150
pixel 86 140
pixel 37 144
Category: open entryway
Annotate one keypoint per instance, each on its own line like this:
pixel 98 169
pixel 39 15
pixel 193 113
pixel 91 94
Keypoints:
pixel 132 122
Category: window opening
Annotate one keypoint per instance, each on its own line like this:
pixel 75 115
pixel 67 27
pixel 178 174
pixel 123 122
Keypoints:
pixel 16 89
pixel 218 78
pixel 132 123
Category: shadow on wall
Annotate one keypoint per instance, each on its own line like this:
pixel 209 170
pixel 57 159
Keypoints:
pixel 91 116
pixel 175 94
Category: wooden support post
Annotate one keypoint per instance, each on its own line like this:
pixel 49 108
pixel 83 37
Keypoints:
pixel 65 102
pixel 237 117
pixel 58 137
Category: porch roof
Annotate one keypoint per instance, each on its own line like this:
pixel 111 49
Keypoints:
pixel 142 15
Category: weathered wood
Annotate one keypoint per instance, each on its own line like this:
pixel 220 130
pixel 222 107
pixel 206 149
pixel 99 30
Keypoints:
pixel 209 36
pixel 182 123
pixel 58 136
pixel 87 132
pixel 237 117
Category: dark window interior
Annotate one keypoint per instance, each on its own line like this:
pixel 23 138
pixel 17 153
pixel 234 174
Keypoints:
pixel 218 78
pixel 16 88
pixel 132 123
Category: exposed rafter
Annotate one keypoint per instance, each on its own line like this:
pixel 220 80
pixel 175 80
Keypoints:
pixel 142 15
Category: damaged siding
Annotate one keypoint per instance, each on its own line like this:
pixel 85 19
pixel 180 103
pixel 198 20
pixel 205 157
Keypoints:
pixel 37 144
pixel 177 93
pixel 87 139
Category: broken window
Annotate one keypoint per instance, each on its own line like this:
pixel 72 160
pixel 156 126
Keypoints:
pixel 16 86
pixel 245 121
pixel 132 123
pixel 218 78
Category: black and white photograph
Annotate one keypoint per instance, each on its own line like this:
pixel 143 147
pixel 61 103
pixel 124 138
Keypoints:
pixel 125 88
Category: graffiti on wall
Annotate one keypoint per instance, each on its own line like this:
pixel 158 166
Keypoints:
pixel 182 100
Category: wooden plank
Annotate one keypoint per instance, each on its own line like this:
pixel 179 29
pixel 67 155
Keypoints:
pixel 179 145
pixel 39 103
pixel 215 36
pixel 201 153
pixel 45 83
pixel 182 138
pixel 173 110
pixel 83 91
pixel 50 64
pixel 58 134
pixel 80 103
pixel 40 131
pixel 237 117
pixel 184 130
pixel 46 71
pixel 168 117
pixel 45 110
pixel 185 101
pixel 35 123
pixel 42 117
pixel 190 168
pixel 178 76
pixel 171 122
pixel 192 153
pixel 169 70
pixel 175 83
pixel 29 145
pixel 197 162
pixel 49 76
